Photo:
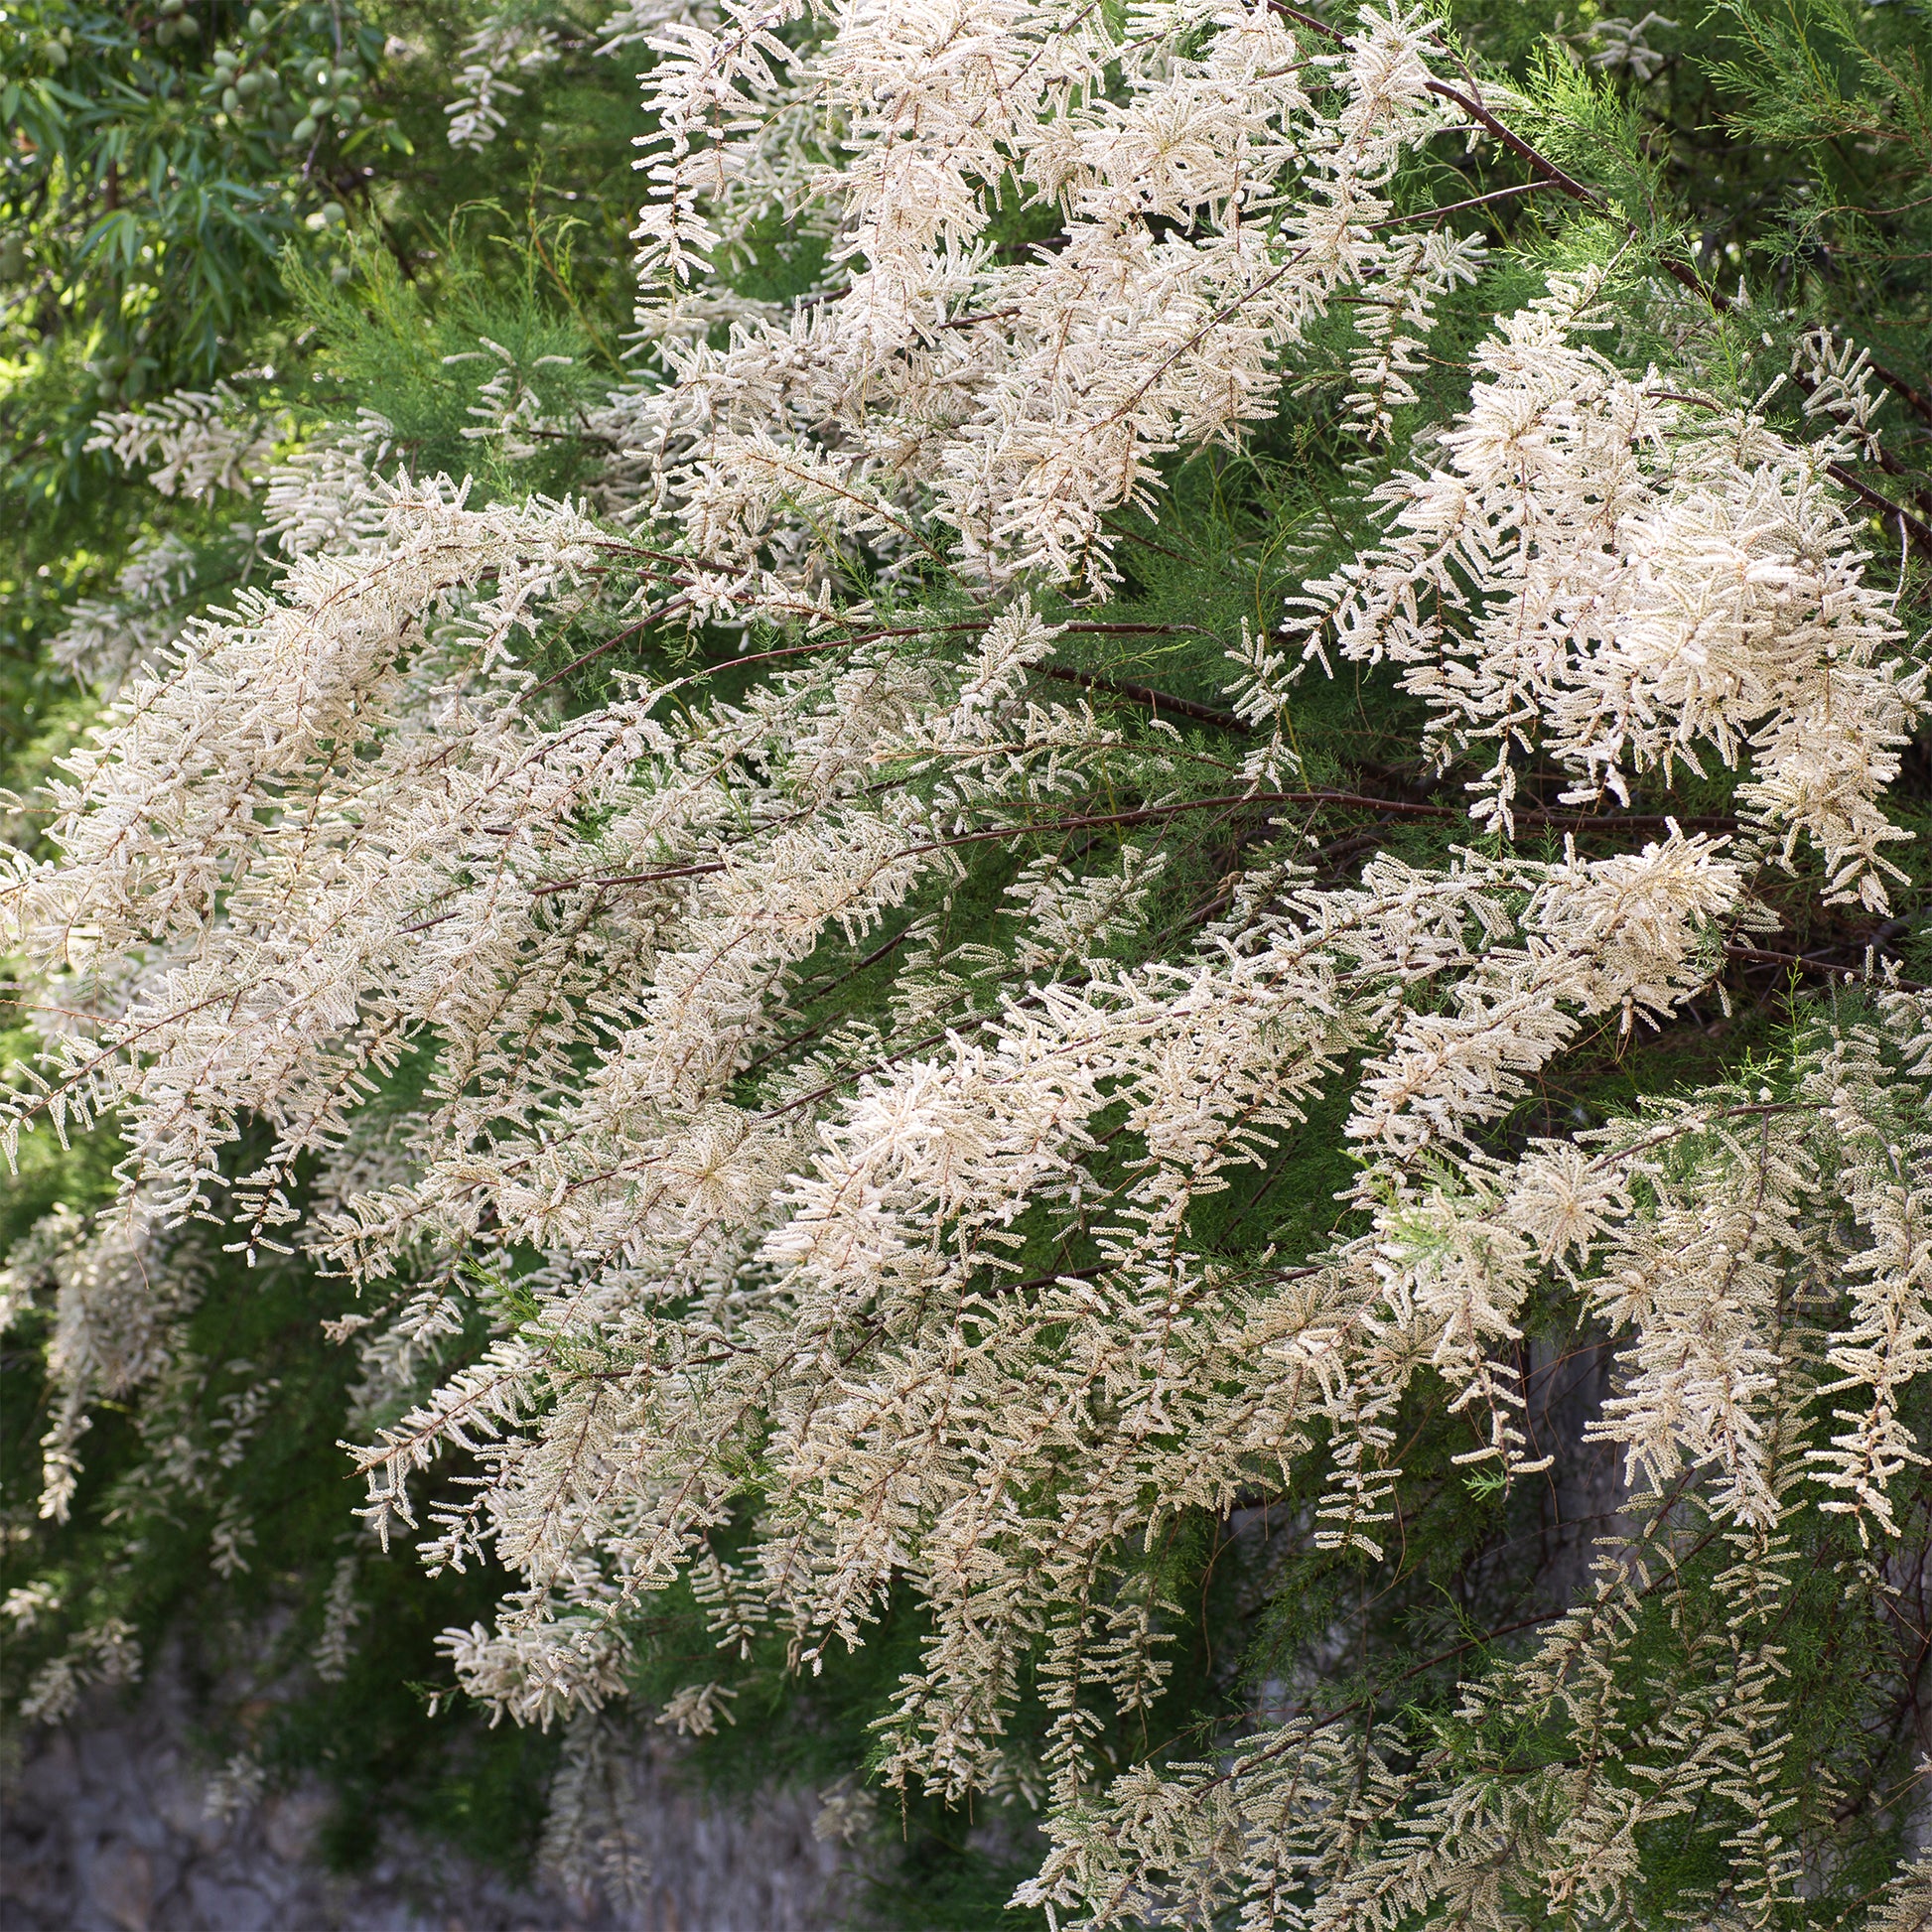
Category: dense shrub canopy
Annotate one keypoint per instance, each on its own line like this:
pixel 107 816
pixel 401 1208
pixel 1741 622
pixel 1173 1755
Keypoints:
pixel 1079 925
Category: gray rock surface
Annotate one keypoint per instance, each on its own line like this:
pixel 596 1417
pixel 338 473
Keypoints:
pixel 104 1828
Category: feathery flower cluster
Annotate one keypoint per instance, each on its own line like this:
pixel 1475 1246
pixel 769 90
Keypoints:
pixel 154 593
pixel 1221 190
pixel 194 442
pixel 1587 575
pixel 509 42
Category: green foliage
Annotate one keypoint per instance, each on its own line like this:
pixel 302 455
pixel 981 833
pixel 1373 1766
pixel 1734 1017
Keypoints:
pixel 381 342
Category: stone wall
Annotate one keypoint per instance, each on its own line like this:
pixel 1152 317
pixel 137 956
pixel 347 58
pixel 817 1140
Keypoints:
pixel 104 1828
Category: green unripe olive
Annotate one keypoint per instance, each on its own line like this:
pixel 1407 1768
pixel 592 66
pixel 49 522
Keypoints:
pixel 168 8
pixel 303 132
pixel 57 54
pixel 230 100
pixel 334 213
pixel 257 21
pixel 340 273
pixel 248 85
pixel 164 33
pixel 224 57
pixel 188 26
pixel 319 106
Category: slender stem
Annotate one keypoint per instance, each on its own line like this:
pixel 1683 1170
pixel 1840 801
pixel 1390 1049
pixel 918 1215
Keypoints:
pixel 1156 701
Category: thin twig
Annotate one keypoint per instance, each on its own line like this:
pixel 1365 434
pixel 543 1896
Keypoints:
pixel 1156 701
pixel 1761 956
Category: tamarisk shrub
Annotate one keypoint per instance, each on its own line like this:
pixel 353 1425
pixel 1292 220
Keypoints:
pixel 936 1128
